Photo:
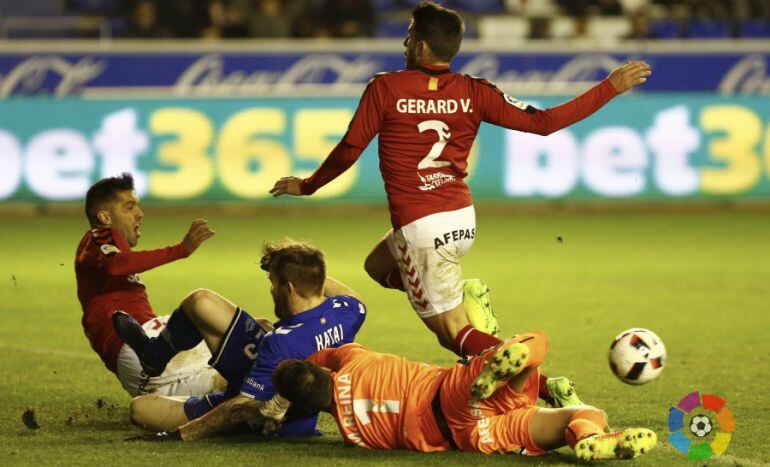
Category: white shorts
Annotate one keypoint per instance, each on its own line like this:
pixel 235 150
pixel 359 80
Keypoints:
pixel 428 253
pixel 187 374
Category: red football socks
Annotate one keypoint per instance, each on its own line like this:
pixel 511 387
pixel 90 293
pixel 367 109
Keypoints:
pixel 542 390
pixel 471 341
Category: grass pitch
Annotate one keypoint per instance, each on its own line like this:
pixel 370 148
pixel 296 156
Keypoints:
pixel 700 280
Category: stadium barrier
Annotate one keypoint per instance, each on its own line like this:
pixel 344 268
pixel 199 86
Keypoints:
pixel 115 69
pixel 167 112
pixel 643 147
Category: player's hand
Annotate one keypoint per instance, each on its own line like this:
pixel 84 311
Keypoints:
pixel 266 426
pixel 199 232
pixel 271 427
pixel 159 437
pixel 629 75
pixel 287 186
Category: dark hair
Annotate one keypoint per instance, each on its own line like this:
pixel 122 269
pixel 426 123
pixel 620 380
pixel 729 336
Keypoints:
pixel 297 262
pixel 304 384
pixel 440 27
pixel 105 191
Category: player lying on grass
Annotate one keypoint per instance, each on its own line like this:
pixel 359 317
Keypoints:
pixel 381 401
pixel 427 118
pixel 314 312
pixel 107 273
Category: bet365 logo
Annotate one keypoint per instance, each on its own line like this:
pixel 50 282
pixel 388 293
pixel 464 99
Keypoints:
pixel 700 425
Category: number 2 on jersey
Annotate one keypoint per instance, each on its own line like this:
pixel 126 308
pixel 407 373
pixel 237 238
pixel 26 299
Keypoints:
pixel 429 161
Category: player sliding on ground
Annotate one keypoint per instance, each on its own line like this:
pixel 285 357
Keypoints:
pixel 382 401
pixel 427 118
pixel 314 311
pixel 107 273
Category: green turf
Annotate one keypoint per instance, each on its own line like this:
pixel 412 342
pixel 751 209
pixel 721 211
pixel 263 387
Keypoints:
pixel 701 281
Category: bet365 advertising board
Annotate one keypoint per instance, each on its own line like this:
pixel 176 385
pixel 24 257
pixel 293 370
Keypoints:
pixel 646 147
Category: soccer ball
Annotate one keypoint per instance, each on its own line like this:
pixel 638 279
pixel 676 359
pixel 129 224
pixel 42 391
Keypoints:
pixel 637 356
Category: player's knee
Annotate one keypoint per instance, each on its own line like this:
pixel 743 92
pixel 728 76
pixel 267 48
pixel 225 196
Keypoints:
pixel 372 269
pixel 136 410
pixel 195 300
pixel 540 338
pixel 537 341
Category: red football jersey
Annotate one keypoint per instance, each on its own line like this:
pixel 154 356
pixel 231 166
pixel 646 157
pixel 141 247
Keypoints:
pixel 107 273
pixel 427 120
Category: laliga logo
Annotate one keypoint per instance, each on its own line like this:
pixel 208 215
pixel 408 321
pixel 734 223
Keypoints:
pixel 691 415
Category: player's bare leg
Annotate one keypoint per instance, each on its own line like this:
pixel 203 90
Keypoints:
pixel 382 267
pixel 211 314
pixel 203 315
pixel 447 325
pixel 584 429
pixel 158 413
pixel 453 328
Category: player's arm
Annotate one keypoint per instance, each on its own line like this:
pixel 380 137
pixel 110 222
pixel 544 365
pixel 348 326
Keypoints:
pixel 230 413
pixel 365 124
pixel 225 415
pixel 233 411
pixel 326 358
pixel 334 358
pixel 502 110
pixel 117 261
pixel 334 287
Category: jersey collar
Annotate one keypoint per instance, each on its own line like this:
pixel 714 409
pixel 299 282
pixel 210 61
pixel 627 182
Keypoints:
pixel 433 69
pixel 304 316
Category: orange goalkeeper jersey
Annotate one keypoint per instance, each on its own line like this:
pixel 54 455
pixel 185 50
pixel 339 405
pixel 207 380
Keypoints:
pixel 382 401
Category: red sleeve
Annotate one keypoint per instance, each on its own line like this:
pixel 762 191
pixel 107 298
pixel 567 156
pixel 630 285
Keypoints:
pixel 503 110
pixel 116 258
pixel 365 124
pixel 339 160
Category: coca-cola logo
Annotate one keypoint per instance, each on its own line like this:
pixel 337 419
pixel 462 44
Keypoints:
pixel 207 76
pixel 343 74
pixel 574 72
pixel 748 76
pixel 31 75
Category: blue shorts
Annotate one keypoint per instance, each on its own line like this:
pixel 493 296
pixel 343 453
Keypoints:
pixel 198 406
pixel 233 360
pixel 238 350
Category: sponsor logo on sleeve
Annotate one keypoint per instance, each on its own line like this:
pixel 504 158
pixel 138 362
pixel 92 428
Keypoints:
pixel 109 250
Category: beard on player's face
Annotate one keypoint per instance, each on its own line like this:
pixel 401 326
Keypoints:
pixel 126 230
pixel 126 217
pixel 412 54
pixel 280 293
pixel 412 49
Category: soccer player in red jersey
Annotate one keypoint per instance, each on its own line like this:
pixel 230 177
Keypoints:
pixel 427 118
pixel 107 273
pixel 382 401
